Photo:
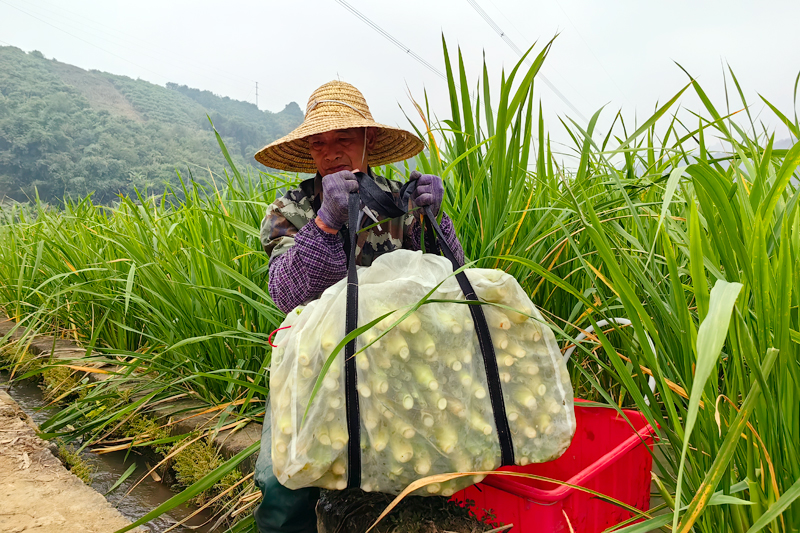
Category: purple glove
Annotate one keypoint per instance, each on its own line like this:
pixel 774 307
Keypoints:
pixel 336 189
pixel 429 191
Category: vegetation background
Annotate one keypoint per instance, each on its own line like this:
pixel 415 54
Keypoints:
pixel 65 131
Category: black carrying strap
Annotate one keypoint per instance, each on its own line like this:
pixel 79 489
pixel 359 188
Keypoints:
pixel 384 203
pixel 486 346
pixel 350 374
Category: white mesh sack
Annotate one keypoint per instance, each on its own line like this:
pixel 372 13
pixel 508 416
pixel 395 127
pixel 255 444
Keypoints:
pixel 423 403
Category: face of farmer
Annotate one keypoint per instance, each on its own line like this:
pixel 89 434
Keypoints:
pixel 337 150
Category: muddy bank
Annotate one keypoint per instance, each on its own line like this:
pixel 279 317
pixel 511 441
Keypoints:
pixel 105 471
pixel 38 493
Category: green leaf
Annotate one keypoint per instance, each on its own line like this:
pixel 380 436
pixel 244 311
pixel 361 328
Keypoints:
pixel 710 338
pixel 129 286
pixel 651 524
pixel 720 465
pixel 775 510
pixel 669 192
pixel 723 499
pixel 785 173
pixel 789 124
pixel 131 469
pixel 649 122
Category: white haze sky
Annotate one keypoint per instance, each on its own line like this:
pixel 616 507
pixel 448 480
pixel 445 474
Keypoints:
pixel 619 53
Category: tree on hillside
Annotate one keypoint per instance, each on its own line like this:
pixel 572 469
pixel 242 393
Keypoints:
pixel 68 132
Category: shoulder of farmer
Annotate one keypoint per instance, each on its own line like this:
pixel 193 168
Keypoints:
pixel 284 217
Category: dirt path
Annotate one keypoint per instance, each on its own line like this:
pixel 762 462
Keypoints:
pixel 37 493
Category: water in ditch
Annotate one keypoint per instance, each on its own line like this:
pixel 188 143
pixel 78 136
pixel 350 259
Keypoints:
pixel 109 467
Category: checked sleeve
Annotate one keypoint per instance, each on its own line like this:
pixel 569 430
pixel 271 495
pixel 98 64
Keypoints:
pixel 300 274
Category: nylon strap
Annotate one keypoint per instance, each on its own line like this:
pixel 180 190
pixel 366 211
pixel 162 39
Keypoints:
pixel 486 346
pixel 350 374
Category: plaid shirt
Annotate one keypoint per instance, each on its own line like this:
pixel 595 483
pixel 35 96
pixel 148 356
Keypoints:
pixel 304 260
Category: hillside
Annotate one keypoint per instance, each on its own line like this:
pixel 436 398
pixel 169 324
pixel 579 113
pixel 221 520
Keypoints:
pixel 68 131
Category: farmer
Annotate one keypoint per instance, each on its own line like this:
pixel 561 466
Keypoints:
pixel 302 233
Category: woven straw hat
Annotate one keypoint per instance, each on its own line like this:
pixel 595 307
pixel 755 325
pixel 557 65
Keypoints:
pixel 334 106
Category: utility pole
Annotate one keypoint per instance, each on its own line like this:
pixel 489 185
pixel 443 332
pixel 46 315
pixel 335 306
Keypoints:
pixel 256 94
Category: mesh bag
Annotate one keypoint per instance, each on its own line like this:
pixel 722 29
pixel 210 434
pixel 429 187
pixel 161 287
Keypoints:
pixel 424 404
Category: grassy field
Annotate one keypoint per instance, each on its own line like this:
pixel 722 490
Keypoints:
pixel 699 250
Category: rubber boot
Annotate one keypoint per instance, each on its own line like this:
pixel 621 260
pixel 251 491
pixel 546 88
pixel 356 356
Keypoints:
pixel 281 510
pixel 286 511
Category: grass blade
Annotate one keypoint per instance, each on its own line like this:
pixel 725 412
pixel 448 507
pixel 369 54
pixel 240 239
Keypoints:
pixel 131 469
pixel 720 464
pixel 710 338
pixel 775 510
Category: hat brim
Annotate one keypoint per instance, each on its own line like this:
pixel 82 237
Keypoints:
pixel 291 153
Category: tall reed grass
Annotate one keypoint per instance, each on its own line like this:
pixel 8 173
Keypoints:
pixel 698 249
pixel 171 290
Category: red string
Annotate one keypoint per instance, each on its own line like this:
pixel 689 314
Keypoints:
pixel 269 339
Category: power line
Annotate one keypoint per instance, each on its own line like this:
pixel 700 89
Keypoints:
pixel 247 98
pixel 511 22
pixel 514 47
pixel 394 41
pixel 550 66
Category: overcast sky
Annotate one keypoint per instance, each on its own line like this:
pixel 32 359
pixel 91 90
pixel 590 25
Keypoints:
pixel 616 52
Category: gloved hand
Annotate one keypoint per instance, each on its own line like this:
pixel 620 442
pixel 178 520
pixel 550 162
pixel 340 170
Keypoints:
pixel 336 189
pixel 429 191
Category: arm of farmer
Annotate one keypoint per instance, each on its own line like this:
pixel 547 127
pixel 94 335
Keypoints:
pixel 430 192
pixel 306 261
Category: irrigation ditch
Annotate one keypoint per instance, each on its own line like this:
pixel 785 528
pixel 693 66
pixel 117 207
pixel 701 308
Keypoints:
pixel 142 490
pixel 38 492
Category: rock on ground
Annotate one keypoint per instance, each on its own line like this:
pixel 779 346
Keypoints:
pixel 37 493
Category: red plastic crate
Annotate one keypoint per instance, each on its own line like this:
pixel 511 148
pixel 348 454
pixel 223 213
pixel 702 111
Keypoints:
pixel 606 455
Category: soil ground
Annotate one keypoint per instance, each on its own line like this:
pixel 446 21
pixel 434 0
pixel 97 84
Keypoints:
pixel 37 493
pixel 354 511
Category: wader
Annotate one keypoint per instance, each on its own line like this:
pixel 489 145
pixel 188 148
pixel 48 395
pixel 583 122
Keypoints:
pixel 282 510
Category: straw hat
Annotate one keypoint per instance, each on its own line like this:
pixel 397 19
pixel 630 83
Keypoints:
pixel 334 106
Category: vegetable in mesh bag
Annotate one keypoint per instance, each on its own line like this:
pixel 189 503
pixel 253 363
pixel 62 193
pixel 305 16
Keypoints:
pixel 423 395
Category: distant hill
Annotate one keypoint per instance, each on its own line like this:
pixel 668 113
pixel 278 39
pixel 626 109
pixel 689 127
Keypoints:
pixel 68 131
